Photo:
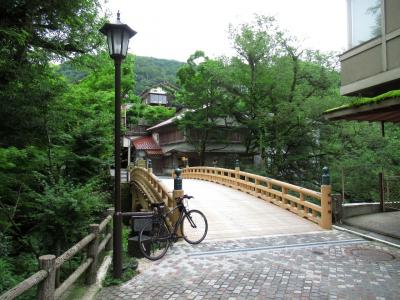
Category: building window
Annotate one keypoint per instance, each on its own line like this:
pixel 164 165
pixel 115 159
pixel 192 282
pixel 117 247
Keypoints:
pixel 158 99
pixel 365 21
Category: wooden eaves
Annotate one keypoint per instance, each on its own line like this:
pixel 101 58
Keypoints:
pixel 387 110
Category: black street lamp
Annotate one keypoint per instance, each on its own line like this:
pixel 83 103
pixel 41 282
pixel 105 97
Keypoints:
pixel 118 36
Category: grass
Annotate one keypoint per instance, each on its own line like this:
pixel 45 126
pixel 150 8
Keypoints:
pixel 128 272
pixel 77 291
pixel 129 264
pixel 363 101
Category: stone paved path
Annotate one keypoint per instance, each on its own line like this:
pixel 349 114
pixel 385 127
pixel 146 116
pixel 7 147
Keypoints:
pixel 323 265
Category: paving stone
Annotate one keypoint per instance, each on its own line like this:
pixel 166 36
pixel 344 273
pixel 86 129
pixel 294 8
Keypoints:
pixel 235 269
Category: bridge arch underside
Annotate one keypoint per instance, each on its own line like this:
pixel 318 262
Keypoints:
pixel 235 214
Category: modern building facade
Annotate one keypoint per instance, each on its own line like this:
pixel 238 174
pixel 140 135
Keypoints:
pixel 371 66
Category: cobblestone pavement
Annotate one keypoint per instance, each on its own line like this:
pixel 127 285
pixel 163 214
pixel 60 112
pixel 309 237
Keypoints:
pixel 324 265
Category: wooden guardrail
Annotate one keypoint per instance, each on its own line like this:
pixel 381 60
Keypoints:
pixel 309 204
pixel 49 264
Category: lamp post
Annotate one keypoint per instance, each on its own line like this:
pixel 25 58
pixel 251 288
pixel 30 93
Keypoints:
pixel 118 36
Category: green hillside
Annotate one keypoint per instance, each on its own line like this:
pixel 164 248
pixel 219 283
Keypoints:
pixel 150 71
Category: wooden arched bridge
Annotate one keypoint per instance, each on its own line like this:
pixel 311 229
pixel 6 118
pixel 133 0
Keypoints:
pixel 314 206
pixel 260 206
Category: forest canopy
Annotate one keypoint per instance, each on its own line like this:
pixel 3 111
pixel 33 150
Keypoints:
pixel 55 136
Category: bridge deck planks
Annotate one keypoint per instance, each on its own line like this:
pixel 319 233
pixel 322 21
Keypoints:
pixel 235 214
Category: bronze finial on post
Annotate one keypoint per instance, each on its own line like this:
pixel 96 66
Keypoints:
pixel 237 164
pixel 326 178
pixel 178 179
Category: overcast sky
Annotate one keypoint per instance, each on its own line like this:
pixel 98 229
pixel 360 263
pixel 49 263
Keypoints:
pixel 175 29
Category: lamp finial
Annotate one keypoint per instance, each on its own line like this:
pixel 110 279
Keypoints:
pixel 118 16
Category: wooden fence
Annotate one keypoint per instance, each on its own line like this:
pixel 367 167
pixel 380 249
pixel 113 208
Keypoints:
pixel 309 204
pixel 45 278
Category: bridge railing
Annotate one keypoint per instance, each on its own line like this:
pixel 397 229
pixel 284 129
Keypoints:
pixel 309 204
pixel 152 184
pixel 155 190
pixel 50 264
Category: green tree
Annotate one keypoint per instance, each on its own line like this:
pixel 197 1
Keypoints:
pixel 207 116
pixel 49 128
pixel 32 33
pixel 274 82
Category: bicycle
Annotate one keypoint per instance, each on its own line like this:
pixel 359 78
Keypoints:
pixel 155 240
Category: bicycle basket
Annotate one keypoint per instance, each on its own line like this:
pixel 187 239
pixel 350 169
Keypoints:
pixel 142 220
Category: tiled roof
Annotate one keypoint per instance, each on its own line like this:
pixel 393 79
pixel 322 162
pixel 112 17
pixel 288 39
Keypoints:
pixel 163 123
pixel 169 121
pixel 146 143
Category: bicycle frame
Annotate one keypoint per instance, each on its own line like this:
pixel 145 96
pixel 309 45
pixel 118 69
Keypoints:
pixel 182 212
pixel 154 242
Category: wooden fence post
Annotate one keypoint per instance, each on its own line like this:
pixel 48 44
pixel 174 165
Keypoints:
pixel 326 200
pixel 284 201
pixel 110 212
pixel 92 252
pixel 47 287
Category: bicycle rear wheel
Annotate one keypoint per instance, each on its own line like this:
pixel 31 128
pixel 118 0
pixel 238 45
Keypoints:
pixel 194 226
pixel 154 244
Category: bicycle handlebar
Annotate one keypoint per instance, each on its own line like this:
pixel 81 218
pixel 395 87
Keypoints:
pixel 184 197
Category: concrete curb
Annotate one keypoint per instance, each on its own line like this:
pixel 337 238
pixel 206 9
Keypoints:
pixel 365 236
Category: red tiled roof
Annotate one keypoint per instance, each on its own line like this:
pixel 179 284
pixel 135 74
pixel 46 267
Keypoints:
pixel 146 143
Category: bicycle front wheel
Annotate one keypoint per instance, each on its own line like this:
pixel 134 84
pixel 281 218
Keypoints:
pixel 154 244
pixel 194 226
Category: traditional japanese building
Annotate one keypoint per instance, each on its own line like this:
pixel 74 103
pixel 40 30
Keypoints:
pixel 169 147
pixel 162 94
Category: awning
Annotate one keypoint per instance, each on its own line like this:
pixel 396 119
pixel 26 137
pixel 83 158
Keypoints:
pixel 214 148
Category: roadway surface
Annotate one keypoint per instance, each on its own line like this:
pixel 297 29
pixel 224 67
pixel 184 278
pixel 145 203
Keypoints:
pixel 235 214
pixel 255 250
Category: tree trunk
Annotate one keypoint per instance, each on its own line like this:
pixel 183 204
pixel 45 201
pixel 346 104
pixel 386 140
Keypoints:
pixel 202 153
